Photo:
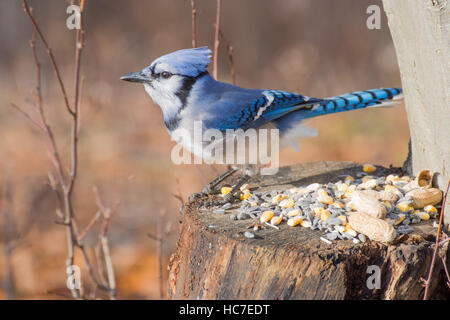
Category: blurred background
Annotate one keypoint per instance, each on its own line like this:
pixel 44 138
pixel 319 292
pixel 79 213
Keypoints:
pixel 318 48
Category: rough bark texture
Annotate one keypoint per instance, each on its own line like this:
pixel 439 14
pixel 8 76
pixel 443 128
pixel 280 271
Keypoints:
pixel 215 261
pixel 421 34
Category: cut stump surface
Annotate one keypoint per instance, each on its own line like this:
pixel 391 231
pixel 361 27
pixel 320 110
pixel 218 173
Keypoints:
pixel 214 260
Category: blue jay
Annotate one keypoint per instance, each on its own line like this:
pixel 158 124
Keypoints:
pixel 180 84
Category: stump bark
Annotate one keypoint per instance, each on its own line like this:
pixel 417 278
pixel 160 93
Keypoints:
pixel 214 260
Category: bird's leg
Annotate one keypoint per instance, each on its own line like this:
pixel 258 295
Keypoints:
pixel 238 185
pixel 209 188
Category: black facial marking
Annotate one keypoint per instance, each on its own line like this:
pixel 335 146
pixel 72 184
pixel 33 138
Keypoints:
pixel 188 83
pixel 182 94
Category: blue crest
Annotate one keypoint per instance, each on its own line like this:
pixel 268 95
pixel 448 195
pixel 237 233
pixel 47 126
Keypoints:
pixel 187 62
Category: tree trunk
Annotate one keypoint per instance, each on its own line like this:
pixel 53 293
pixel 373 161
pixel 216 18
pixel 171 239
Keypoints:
pixel 421 34
pixel 214 260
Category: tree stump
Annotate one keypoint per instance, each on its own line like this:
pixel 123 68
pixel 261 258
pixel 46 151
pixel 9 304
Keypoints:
pixel 214 260
pixel 421 32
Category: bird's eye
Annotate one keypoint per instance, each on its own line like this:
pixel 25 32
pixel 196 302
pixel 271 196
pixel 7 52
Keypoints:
pixel 165 74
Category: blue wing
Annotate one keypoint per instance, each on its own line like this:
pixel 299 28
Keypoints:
pixel 265 107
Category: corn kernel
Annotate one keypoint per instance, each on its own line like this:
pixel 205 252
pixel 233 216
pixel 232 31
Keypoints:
pixel 276 220
pixel 325 215
pixel 349 191
pixel 348 194
pixel 245 187
pixel 317 211
pixel 369 168
pixel 349 180
pixel 405 179
pixel 370 184
pixel 350 205
pixel 306 224
pixel 253 203
pixel 338 204
pixel 430 208
pixel 348 229
pixel 325 199
pixel 294 221
pixel 400 220
pixel 404 207
pixel 245 195
pixel 225 190
pixel 367 178
pixel 266 216
pixel 287 203
pixel 278 198
pixel 322 193
pixel 391 178
pixel 293 213
pixel 342 187
pixel 392 189
pixel 423 215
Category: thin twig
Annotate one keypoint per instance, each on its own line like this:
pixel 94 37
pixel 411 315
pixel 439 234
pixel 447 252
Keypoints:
pixel 178 196
pixel 226 42
pixel 194 24
pixel 27 115
pixel 50 53
pixel 436 246
pixel 446 271
pixel 103 241
pixel 89 226
pixel 216 40
pixel 8 234
pixel 230 59
pixel 160 238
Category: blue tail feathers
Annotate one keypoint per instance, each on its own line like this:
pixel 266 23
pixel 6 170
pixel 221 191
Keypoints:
pixel 354 100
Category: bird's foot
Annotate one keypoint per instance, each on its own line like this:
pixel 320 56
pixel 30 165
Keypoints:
pixel 217 203
pixel 193 196
pixel 210 188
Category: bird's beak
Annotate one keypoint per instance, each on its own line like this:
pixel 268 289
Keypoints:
pixel 135 77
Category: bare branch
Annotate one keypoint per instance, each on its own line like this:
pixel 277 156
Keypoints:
pixel 103 241
pixel 446 271
pixel 227 44
pixel 436 246
pixel 50 54
pixel 27 115
pixel 62 182
pixel 89 226
pixel 216 41
pixel 194 24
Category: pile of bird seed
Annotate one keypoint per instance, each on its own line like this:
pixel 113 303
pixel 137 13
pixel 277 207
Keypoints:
pixel 396 201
